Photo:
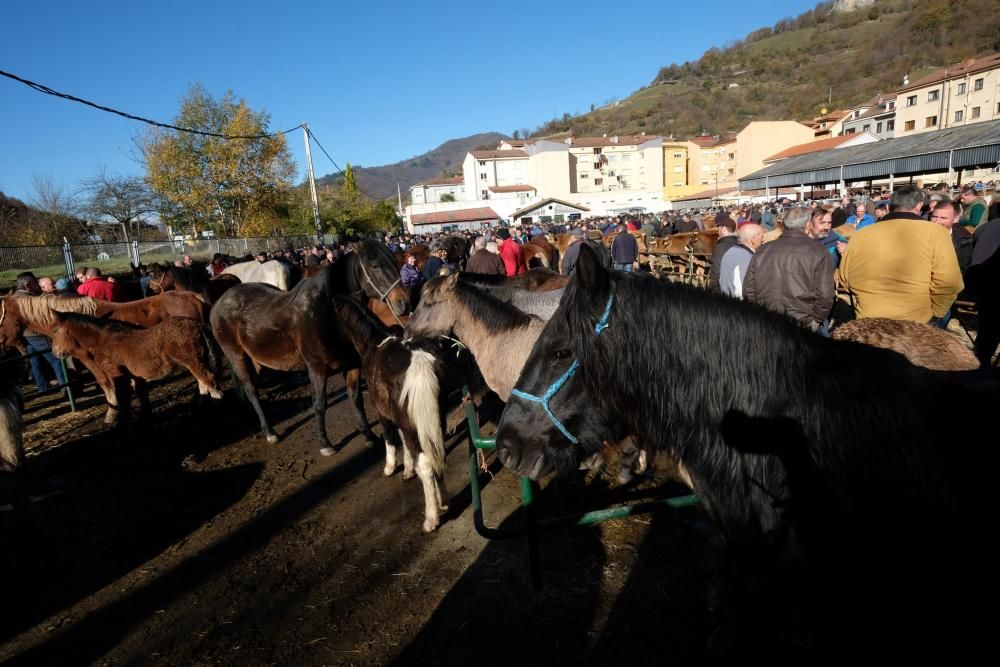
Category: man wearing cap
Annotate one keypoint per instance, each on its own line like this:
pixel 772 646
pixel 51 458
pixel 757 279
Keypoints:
pixel 727 239
pixel 511 253
pixel 483 261
pixel 435 261
pixel 572 251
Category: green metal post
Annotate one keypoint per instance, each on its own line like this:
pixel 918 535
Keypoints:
pixel 69 387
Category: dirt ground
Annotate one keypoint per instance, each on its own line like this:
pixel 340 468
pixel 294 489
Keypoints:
pixel 191 541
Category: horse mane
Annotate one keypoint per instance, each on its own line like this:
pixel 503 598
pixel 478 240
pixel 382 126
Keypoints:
pixel 354 317
pixel 189 280
pixel 100 323
pixel 495 315
pixel 40 310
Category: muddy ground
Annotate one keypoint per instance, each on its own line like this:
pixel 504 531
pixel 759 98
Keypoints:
pixel 191 541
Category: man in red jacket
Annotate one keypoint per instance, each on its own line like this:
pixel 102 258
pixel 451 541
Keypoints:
pixel 99 287
pixel 511 253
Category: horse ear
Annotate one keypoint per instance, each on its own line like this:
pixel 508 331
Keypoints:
pixel 591 276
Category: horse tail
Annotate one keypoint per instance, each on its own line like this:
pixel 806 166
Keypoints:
pixel 11 433
pixel 419 397
pixel 212 352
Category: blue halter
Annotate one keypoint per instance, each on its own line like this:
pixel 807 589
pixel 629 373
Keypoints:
pixel 544 399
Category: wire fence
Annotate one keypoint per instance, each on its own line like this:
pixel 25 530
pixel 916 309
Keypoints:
pixel 57 261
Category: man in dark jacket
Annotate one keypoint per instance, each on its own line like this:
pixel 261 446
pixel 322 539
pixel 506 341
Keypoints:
pixel 948 214
pixel 435 262
pixel 484 261
pixel 572 252
pixel 624 250
pixel 793 275
pixel 727 239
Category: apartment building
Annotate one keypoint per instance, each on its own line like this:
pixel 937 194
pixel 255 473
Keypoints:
pixel 616 163
pixel 712 161
pixel 451 188
pixel 962 93
pixel 877 115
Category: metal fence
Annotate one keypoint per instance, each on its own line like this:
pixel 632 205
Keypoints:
pixel 56 261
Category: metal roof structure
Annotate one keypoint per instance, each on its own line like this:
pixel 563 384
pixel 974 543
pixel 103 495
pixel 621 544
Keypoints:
pixel 975 145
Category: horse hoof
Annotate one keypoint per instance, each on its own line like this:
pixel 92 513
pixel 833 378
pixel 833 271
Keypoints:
pixel 327 451
pixel 272 439
pixel 443 508
pixel 216 394
pixel 430 525
pixel 409 475
pixel 387 471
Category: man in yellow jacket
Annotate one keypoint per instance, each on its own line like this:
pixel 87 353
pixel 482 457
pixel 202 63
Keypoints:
pixel 902 267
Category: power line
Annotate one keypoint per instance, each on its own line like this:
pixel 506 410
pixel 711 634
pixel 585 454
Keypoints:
pixel 49 91
pixel 336 166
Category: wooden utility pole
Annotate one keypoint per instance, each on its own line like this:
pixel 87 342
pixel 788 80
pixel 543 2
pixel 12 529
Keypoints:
pixel 312 181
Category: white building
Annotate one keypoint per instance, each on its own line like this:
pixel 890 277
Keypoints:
pixel 436 188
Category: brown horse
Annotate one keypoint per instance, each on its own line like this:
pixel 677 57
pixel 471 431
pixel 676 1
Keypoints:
pixel 404 379
pixel 11 424
pixel 185 279
pixel 922 344
pixel 119 354
pixel 541 251
pixel 38 312
pixel 259 325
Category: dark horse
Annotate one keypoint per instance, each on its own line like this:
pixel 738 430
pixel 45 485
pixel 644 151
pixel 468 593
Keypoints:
pixel 185 279
pixel 260 325
pixel 831 455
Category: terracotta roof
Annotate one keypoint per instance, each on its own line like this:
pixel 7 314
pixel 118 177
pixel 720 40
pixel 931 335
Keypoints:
pixel 705 194
pixel 450 180
pixel 460 215
pixel 832 115
pixel 495 155
pixel 969 66
pixel 706 141
pixel 623 140
pixel 511 188
pixel 812 147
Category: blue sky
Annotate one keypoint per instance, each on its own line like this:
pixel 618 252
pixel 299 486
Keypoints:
pixel 377 82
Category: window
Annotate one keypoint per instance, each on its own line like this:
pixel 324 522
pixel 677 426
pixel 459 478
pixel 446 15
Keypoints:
pixel 974 112
pixel 485 194
pixel 933 95
pixel 911 101
pixel 482 177
pixel 977 84
pixel 961 89
pixel 597 151
pixel 705 182
pixel 598 181
pixel 850 130
pixel 730 172
pixel 678 184
pixel 910 124
pixel 866 127
pixel 959 116
pixel 612 158
pixel 584 174
pixel 930 121
pixel 878 128
pixel 482 163
pixel 890 125
pixel 679 169
pixel 597 166
pixel 732 156
pixel 679 155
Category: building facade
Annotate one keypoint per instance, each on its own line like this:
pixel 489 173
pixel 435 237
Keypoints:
pixel 451 188
pixel 960 94
pixel 877 115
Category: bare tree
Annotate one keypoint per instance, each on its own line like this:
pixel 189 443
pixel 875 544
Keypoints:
pixel 57 208
pixel 123 201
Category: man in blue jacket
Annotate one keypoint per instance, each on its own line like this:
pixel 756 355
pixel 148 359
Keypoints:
pixel 624 250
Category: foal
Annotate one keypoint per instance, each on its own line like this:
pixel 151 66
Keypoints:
pixel 118 353
pixel 404 380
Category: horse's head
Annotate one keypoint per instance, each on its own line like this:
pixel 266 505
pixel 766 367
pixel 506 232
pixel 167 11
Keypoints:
pixel 551 420
pixel 64 342
pixel 378 275
pixel 435 314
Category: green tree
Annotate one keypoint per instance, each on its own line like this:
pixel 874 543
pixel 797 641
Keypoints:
pixel 350 180
pixel 243 184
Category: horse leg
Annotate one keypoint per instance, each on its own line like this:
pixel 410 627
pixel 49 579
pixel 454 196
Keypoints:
pixel 391 436
pixel 352 379
pixel 242 372
pixel 317 377
pixel 123 390
pixel 142 392
pixel 432 494
pixel 408 451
